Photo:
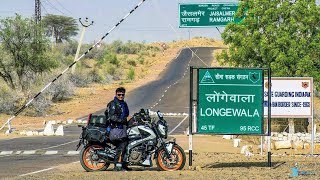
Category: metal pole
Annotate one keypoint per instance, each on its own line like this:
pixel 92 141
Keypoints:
pixel 9 127
pixel 312 136
pixel 312 122
pixel 84 26
pixel 269 117
pixel 194 119
pixel 261 145
pixel 190 117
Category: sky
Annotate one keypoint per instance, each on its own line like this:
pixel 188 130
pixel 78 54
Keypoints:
pixel 153 21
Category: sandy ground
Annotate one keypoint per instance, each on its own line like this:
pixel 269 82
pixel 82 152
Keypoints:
pixel 213 158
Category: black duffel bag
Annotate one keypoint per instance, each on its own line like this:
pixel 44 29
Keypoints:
pixel 94 134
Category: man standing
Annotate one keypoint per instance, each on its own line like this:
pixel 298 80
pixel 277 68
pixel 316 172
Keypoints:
pixel 117 112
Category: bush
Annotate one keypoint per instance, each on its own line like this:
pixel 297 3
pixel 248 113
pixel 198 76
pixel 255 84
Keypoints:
pixel 39 106
pixel 132 62
pixel 131 74
pixel 9 100
pixel 62 90
pixel 113 60
pixel 80 79
pixel 141 60
pixel 154 48
pixel 111 70
pixel 96 75
pixel 100 76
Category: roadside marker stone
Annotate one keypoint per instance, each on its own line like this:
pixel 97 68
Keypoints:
pixel 6 152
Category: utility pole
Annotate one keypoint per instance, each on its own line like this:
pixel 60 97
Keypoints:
pixel 84 26
pixel 37 11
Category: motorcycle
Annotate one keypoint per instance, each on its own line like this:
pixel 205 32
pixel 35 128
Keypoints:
pixel 146 140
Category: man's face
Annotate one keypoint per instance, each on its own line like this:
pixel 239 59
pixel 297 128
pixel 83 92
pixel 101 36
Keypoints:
pixel 120 95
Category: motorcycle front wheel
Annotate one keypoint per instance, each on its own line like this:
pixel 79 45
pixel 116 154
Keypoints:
pixel 90 161
pixel 175 161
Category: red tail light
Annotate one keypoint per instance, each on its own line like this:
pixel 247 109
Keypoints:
pixel 89 118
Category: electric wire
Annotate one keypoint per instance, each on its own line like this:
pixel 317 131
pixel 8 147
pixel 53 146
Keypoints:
pixel 47 2
pixel 98 42
pixel 44 8
pixel 64 7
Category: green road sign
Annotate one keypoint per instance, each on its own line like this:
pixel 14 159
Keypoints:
pixel 230 101
pixel 207 14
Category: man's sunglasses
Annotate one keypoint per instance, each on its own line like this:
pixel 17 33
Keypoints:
pixel 120 94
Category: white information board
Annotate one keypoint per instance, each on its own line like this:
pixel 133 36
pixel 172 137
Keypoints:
pixel 291 97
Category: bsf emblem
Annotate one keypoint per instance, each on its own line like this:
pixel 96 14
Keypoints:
pixel 305 84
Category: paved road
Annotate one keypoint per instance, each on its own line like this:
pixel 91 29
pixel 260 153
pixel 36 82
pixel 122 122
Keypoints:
pixel 168 94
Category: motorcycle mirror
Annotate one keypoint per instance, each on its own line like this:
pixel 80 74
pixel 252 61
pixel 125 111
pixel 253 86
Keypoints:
pixel 79 125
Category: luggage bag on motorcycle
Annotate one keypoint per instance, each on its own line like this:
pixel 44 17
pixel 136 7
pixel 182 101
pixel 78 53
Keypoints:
pixel 96 130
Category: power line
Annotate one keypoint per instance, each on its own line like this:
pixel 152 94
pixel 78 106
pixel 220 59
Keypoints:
pixel 64 7
pixel 16 10
pixel 52 6
pixel 44 9
pixel 144 30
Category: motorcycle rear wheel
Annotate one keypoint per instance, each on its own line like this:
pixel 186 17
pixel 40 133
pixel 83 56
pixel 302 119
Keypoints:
pixel 176 161
pixel 90 161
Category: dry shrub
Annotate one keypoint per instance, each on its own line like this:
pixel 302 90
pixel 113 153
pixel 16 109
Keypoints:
pixel 62 90
pixel 9 100
pixel 80 79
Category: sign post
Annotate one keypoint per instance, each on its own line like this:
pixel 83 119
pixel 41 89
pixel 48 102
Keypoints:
pixel 230 101
pixel 290 97
pixel 207 14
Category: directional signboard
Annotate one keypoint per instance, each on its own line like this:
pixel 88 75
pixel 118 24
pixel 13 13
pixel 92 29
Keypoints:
pixel 230 101
pixel 207 14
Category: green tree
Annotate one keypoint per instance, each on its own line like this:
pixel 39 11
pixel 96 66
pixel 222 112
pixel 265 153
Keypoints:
pixel 61 27
pixel 23 52
pixel 281 34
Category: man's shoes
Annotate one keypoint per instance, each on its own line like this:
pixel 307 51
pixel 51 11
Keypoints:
pixel 118 167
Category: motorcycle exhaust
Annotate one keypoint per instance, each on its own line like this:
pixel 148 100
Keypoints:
pixel 105 156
